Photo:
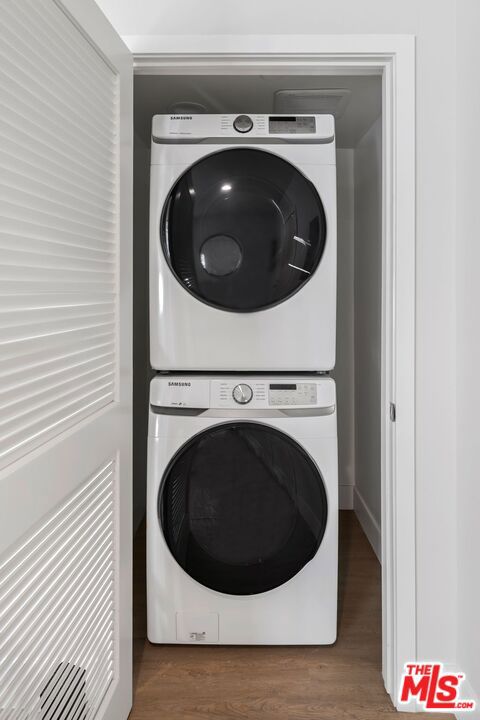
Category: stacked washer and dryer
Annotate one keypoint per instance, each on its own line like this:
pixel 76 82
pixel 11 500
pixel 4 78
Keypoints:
pixel 242 499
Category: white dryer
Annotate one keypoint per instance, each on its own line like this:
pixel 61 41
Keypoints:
pixel 243 243
pixel 242 510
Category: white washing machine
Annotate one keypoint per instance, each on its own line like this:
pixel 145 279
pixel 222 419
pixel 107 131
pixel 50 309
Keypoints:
pixel 243 243
pixel 242 510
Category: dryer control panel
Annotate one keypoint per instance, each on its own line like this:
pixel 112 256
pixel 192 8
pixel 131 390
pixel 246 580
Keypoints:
pixel 305 128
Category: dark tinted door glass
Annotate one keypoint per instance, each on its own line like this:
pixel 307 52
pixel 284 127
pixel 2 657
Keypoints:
pixel 243 508
pixel 243 230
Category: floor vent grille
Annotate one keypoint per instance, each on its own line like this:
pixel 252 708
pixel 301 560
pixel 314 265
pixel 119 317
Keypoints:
pixel 64 696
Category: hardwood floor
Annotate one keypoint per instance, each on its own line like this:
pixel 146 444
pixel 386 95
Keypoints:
pixel 340 682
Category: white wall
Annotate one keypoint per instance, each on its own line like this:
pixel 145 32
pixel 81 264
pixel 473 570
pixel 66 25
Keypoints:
pixel 433 23
pixel 368 331
pixel 344 368
pixel 468 343
pixel 358 366
pixel 190 17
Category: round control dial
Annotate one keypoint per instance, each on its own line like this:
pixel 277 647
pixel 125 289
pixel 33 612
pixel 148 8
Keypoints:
pixel 242 393
pixel 243 123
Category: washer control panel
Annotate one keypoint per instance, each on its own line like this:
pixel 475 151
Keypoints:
pixel 292 394
pixel 237 393
pixel 259 393
pixel 232 392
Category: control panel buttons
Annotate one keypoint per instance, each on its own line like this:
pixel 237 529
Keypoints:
pixel 242 393
pixel 298 394
pixel 243 123
pixel 231 392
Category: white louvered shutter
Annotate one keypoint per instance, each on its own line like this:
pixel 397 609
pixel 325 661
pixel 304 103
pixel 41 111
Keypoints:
pixel 65 363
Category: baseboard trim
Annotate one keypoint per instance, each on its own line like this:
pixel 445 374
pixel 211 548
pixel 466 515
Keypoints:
pixel 345 497
pixel 369 525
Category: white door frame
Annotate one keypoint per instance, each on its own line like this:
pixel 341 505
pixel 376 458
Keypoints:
pixel 392 57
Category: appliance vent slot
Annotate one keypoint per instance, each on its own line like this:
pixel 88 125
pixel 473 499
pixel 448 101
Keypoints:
pixel 58 226
pixel 57 625
pixel 331 101
pixel 186 108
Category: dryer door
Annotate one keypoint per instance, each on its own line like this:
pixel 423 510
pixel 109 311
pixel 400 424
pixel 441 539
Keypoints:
pixel 243 230
pixel 243 508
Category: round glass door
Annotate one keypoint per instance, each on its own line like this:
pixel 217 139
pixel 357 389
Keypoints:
pixel 243 230
pixel 243 508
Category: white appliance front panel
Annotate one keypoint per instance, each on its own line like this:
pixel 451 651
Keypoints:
pixel 301 611
pixel 298 334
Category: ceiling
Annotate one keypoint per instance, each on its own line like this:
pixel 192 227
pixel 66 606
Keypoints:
pixel 256 94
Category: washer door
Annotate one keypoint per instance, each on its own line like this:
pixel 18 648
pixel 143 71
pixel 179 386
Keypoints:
pixel 243 508
pixel 243 230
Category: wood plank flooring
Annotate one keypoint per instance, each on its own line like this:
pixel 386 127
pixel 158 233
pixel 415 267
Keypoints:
pixel 340 682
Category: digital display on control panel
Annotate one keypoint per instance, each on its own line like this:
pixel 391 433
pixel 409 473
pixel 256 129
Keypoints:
pixel 292 394
pixel 283 124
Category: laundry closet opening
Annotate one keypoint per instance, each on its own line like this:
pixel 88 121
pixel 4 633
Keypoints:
pixel 356 103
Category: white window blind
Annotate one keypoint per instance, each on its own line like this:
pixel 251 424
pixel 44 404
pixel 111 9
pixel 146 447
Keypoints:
pixel 58 226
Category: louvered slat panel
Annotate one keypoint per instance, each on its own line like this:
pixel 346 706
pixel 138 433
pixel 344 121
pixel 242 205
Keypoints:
pixel 57 630
pixel 50 110
pixel 53 155
pixel 28 160
pixel 51 203
pixel 41 190
pixel 58 226
pixel 55 346
pixel 87 397
pixel 48 231
pixel 53 372
pixel 23 364
pixel 55 257
pixel 54 248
